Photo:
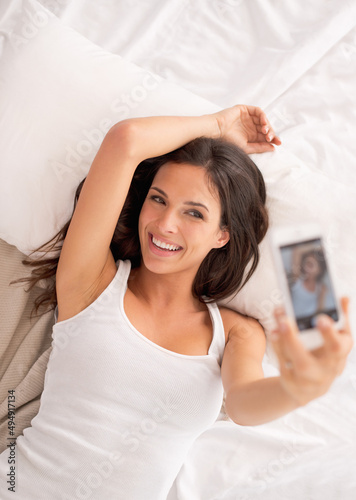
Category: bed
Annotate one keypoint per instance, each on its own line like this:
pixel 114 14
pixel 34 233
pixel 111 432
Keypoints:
pixel 70 69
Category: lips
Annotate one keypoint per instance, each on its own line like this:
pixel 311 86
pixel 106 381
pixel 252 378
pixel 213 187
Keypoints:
pixel 163 247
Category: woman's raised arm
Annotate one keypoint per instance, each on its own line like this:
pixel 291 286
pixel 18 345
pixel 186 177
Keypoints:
pixel 86 254
pixel 86 248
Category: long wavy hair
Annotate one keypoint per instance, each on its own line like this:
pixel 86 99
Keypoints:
pixel 224 271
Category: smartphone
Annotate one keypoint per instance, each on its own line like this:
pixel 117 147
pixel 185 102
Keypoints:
pixel 306 279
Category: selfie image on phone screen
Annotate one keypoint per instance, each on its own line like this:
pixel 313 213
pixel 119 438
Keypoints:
pixel 309 282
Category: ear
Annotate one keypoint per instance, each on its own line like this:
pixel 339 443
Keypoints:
pixel 223 238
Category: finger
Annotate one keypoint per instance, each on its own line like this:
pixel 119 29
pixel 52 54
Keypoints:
pixel 285 365
pixel 267 133
pixel 263 129
pixel 258 147
pixel 331 338
pixel 337 345
pixel 260 119
pixel 273 139
pixel 345 306
pixel 261 122
pixel 271 136
pixel 256 112
pixel 336 342
pixel 262 137
pixel 290 342
pixel 276 140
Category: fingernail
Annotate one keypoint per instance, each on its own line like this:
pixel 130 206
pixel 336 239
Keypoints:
pixel 323 321
pixel 273 336
pixel 283 324
pixel 279 311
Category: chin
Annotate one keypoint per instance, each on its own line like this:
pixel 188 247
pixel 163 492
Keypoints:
pixel 157 266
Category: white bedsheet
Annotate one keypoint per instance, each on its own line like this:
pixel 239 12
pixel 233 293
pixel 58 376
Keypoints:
pixel 297 60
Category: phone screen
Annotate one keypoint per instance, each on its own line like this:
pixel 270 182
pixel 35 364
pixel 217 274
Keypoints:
pixel 309 282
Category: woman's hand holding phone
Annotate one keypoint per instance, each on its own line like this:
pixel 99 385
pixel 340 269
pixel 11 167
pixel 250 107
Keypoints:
pixel 308 374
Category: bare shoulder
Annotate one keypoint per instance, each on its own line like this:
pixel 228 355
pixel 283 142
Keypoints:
pixel 74 299
pixel 240 327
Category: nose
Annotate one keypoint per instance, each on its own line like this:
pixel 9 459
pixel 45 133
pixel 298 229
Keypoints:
pixel 167 221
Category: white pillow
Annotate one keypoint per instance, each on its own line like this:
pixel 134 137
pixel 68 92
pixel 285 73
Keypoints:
pixel 60 93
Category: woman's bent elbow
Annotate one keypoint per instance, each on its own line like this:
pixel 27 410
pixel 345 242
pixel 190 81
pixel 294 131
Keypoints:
pixel 124 135
pixel 235 411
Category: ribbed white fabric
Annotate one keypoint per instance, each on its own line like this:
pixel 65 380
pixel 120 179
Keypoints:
pixel 118 412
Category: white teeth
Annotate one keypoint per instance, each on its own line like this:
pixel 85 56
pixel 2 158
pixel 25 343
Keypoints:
pixel 163 245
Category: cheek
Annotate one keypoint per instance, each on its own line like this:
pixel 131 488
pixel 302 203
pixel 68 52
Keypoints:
pixel 203 238
pixel 142 220
pixel 146 214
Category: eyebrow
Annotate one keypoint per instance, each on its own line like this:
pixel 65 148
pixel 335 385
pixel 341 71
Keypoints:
pixel 191 203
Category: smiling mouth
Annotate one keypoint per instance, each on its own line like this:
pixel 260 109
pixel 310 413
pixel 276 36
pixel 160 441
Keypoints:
pixel 161 245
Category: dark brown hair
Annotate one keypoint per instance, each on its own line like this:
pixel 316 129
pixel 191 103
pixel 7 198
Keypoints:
pixel 242 194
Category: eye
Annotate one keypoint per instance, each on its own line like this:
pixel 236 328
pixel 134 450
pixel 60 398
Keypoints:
pixel 196 214
pixel 157 199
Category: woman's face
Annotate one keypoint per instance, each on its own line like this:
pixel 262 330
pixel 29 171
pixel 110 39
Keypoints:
pixel 180 220
pixel 311 266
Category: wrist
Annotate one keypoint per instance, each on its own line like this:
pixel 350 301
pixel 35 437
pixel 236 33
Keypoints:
pixel 295 399
pixel 214 126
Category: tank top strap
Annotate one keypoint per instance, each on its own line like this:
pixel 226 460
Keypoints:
pixel 217 345
pixel 116 286
pixel 122 275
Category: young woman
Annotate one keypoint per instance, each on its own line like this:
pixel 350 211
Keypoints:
pixel 141 352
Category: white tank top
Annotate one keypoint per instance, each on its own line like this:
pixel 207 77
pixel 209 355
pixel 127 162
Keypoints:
pixel 118 412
